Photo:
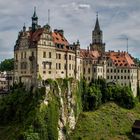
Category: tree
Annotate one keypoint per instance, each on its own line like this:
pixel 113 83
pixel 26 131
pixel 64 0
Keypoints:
pixel 94 97
pixel 7 65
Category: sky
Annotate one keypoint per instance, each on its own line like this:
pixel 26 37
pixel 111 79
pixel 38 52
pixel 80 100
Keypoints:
pixel 119 20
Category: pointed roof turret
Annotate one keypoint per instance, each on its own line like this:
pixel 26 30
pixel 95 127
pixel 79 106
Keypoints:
pixel 34 15
pixel 97 26
pixel 34 20
pixel 24 28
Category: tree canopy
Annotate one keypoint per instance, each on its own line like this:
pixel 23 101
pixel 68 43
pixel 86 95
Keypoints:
pixel 7 65
pixel 98 92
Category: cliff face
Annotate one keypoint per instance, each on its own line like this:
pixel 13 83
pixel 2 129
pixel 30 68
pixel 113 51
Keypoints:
pixel 47 113
pixel 65 94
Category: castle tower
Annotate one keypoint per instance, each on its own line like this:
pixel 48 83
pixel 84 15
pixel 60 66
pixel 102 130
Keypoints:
pixel 97 38
pixel 34 20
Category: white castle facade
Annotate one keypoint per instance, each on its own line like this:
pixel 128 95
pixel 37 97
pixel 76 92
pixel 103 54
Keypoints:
pixel 41 53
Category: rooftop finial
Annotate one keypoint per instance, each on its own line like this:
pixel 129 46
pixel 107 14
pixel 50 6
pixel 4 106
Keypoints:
pixel 48 16
pixel 97 14
pixel 35 9
pixel 35 15
pixel 24 28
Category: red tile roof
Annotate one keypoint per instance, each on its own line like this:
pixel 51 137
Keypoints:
pixel 122 59
pixel 59 39
pixel 35 36
pixel 89 54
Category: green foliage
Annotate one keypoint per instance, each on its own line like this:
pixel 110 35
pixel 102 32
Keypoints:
pixel 30 135
pixel 52 119
pixel 7 65
pixel 98 92
pixel 23 107
pixel 109 122
pixel 94 97
pixel 24 115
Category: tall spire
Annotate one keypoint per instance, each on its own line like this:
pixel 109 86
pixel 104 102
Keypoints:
pixel 34 20
pixel 97 26
pixel 34 15
pixel 97 38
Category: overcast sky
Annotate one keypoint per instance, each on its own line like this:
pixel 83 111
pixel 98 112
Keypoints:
pixel 119 19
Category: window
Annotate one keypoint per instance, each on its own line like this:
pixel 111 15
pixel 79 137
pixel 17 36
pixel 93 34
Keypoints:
pixel 59 55
pixel 114 70
pixel 89 70
pixel 44 66
pixel 107 70
pixel 84 71
pixel 44 72
pixel 94 69
pixel 111 70
pixel 59 66
pixel 118 71
pixel 111 77
pixel 121 71
pixel 56 66
pixel 118 77
pixel 49 72
pixel 44 54
pixel 114 77
pixel 69 66
pixel 69 57
pixel 107 77
pixel 50 55
pixel 121 77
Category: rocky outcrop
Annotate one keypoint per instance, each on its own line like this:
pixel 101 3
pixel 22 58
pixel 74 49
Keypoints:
pixel 66 92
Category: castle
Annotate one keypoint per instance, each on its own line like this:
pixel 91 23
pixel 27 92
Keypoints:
pixel 41 53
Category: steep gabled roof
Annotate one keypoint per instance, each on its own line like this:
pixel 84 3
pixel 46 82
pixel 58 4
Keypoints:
pixel 59 39
pixel 121 59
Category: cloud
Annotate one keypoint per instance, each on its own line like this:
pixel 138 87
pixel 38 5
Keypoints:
pixel 75 6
